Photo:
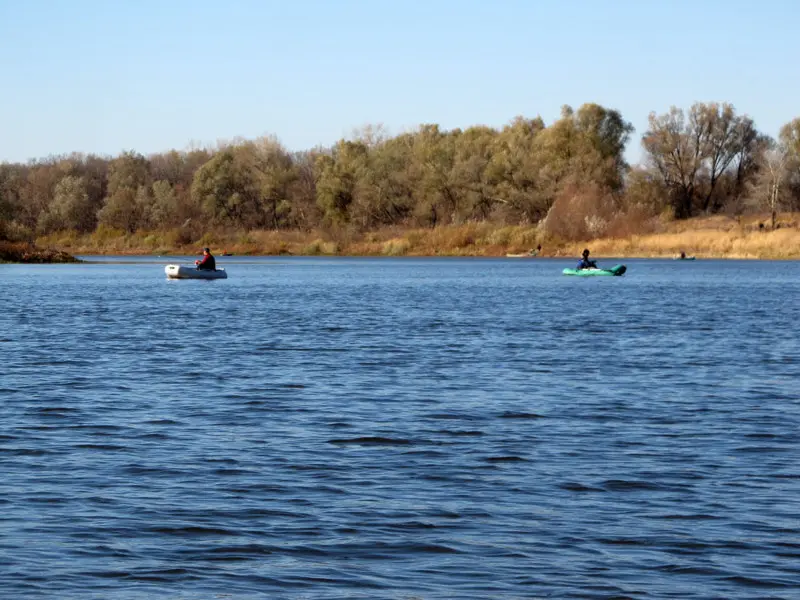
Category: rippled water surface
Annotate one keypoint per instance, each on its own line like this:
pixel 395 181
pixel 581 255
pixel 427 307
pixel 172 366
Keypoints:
pixel 398 428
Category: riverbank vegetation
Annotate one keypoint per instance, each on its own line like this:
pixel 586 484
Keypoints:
pixel 710 184
pixel 707 237
pixel 22 252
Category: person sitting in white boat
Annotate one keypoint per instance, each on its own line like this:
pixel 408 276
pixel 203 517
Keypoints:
pixel 585 263
pixel 208 263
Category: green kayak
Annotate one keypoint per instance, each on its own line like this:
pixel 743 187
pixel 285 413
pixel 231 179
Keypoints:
pixel 615 270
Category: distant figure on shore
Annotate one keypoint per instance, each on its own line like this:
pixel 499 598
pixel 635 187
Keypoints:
pixel 683 255
pixel 585 263
pixel 529 254
pixel 208 263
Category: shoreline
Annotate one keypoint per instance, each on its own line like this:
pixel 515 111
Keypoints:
pixel 25 253
pixel 704 237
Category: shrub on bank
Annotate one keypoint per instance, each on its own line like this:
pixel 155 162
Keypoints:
pixel 396 247
pixel 320 247
pixel 22 252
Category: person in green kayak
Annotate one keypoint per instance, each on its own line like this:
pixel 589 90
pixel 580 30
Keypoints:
pixel 208 263
pixel 585 263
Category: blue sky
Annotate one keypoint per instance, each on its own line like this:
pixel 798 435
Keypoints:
pixel 151 75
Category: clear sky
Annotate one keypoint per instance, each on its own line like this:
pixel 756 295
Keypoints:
pixel 104 76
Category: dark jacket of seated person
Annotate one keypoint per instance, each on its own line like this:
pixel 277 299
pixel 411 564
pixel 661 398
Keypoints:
pixel 208 263
pixel 585 263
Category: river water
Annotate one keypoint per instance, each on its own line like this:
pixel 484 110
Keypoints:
pixel 400 428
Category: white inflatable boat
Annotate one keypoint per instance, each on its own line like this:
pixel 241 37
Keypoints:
pixel 183 272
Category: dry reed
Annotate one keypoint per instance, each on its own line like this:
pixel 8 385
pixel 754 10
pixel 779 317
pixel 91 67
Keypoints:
pixel 721 237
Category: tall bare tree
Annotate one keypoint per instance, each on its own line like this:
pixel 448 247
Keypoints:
pixel 790 140
pixel 769 190
pixel 693 151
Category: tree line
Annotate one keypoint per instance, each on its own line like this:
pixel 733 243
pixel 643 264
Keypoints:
pixel 570 177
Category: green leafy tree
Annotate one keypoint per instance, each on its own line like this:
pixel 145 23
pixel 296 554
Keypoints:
pixel 225 192
pixel 384 190
pixel 128 171
pixel 123 210
pixel 607 133
pixel 165 209
pixel 36 193
pixel 71 208
pixel 274 173
pixel 470 173
pixel 10 184
pixel 339 175
pixel 585 147
pixel 304 211
pixel 126 206
pixel 515 171
pixel 247 185
pixel 436 199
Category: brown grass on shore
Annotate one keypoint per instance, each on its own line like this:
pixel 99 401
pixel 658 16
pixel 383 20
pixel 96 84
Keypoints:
pixel 712 237
pixel 715 237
